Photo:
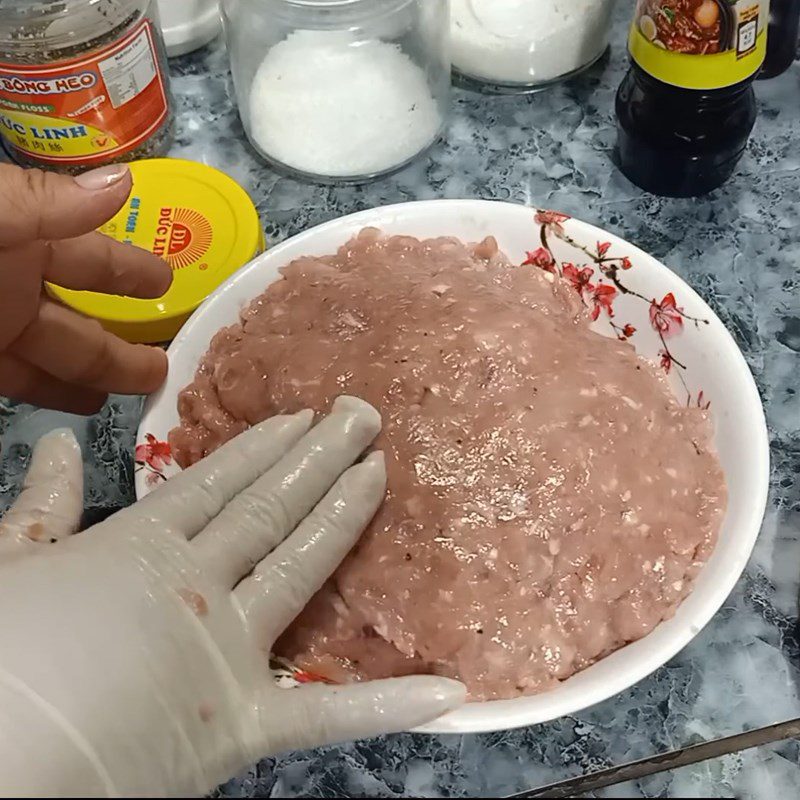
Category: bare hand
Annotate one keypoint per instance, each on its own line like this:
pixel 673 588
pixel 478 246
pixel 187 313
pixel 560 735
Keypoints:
pixel 49 355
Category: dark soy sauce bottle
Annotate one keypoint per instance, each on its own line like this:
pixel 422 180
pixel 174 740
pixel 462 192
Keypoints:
pixel 686 108
pixel 678 142
pixel 784 26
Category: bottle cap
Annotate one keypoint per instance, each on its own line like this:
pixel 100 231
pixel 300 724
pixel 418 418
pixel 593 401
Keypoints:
pixel 188 24
pixel 200 221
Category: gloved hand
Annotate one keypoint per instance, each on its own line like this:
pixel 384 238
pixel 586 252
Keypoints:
pixel 133 657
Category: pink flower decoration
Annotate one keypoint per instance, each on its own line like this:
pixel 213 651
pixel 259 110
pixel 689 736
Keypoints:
pixel 552 219
pixel 580 279
pixel 153 478
pixel 602 299
pixel 153 453
pixel 303 676
pixel 666 317
pixel 541 258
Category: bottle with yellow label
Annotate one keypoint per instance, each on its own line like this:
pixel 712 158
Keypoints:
pixel 686 108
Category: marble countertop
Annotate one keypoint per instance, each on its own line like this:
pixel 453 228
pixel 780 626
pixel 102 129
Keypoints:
pixel 738 247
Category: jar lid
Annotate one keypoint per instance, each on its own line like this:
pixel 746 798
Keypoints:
pixel 188 24
pixel 44 25
pixel 200 221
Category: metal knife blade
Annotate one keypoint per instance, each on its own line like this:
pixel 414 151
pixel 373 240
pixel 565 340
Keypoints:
pixel 635 770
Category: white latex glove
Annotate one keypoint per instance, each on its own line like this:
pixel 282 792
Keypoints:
pixel 133 657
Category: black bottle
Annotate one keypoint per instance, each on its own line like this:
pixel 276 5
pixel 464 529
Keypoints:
pixel 686 108
pixel 784 26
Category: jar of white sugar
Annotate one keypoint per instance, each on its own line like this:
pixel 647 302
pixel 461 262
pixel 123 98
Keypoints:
pixel 340 90
pixel 527 45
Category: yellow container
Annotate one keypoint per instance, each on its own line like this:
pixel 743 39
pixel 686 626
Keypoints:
pixel 200 221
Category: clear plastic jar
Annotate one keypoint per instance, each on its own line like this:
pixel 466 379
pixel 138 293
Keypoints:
pixel 83 83
pixel 527 45
pixel 340 90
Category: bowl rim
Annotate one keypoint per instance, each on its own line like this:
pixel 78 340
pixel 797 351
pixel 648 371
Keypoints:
pixel 487 717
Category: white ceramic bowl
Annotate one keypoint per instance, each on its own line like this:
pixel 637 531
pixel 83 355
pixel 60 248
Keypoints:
pixel 713 371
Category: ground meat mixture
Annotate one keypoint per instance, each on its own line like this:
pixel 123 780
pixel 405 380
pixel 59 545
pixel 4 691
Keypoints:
pixel 549 501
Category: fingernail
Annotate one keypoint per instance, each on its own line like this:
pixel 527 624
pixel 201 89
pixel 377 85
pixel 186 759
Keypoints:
pixel 102 178
pixel 377 458
pixel 449 694
pixel 62 434
pixel 306 416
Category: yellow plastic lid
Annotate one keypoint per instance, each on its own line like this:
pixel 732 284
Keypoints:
pixel 200 221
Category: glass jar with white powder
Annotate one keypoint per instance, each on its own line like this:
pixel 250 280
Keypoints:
pixel 527 45
pixel 340 90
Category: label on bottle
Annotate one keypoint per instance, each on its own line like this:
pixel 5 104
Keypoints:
pixel 700 44
pixel 85 110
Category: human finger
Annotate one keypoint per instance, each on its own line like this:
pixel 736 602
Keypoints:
pixel 188 501
pixel 51 503
pixel 284 582
pixel 28 384
pixel 45 205
pixel 20 293
pixel 321 715
pixel 98 263
pixel 263 515
pixel 78 350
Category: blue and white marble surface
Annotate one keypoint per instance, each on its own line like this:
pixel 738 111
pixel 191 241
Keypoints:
pixel 739 247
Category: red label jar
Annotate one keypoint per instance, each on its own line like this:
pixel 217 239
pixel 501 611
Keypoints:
pixel 83 83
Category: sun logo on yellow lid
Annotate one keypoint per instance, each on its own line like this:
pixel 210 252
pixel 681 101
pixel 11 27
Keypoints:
pixel 183 237
pixel 194 217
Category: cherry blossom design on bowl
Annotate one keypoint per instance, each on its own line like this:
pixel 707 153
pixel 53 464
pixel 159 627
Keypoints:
pixel 599 283
pixel 154 458
pixel 288 676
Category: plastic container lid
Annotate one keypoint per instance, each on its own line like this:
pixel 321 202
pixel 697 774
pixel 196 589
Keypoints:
pixel 188 24
pixel 200 221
